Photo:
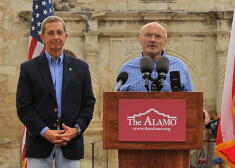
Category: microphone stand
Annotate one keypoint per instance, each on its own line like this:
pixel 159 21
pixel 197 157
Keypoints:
pixel 155 86
pixel 147 77
pixel 158 83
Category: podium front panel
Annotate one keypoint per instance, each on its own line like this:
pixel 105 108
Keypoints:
pixel 194 121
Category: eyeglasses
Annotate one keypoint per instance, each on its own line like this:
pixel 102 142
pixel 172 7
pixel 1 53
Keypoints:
pixel 150 35
pixel 52 33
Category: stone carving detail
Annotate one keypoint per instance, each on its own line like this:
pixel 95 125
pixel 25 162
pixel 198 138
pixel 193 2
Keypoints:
pixel 63 6
pixel 92 48
pixel 92 25
pixel 130 48
pixel 74 50
pixel 92 61
pixel 222 36
pixel 182 46
pixel 91 54
pixel 222 25
pixel 222 43
pixel 220 69
pixel 69 5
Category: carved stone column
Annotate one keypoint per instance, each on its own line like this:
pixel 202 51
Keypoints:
pixel 91 57
pixel 93 135
pixel 221 52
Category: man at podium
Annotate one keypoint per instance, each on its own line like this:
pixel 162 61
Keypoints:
pixel 153 38
pixel 124 119
pixel 140 77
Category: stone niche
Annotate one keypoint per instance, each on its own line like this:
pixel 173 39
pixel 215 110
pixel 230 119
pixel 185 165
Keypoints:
pixel 107 39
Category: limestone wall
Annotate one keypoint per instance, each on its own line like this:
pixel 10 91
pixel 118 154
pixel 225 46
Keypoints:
pixel 104 34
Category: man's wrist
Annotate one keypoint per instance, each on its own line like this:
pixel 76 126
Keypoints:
pixel 79 131
pixel 43 131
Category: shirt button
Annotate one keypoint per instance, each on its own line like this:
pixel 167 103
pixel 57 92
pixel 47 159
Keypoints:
pixel 55 110
pixel 58 122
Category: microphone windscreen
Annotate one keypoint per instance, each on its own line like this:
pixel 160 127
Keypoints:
pixel 162 64
pixel 146 65
pixel 122 76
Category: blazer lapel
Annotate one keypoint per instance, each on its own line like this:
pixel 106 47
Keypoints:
pixel 67 71
pixel 46 74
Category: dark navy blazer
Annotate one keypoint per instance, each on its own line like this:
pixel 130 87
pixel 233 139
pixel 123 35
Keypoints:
pixel 37 106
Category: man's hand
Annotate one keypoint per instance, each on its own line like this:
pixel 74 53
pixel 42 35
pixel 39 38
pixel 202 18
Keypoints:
pixel 205 117
pixel 68 135
pixel 54 136
pixel 60 137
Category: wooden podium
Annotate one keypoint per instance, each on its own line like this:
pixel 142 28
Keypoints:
pixel 139 154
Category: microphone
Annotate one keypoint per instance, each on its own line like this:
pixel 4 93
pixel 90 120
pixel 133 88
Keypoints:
pixel 175 81
pixel 146 67
pixel 162 68
pixel 121 79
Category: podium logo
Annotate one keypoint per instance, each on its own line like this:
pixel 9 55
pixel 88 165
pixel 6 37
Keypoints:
pixel 152 120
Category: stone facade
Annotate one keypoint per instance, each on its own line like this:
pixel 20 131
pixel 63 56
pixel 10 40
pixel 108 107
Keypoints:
pixel 104 34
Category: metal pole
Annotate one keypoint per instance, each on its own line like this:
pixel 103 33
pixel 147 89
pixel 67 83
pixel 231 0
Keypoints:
pixel 93 158
pixel 93 153
pixel 107 158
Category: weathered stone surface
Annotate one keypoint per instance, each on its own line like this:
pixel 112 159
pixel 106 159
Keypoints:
pixel 104 34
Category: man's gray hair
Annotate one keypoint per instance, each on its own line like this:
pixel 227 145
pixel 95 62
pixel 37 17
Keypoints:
pixel 51 19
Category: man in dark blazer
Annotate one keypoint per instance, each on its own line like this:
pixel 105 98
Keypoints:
pixel 54 101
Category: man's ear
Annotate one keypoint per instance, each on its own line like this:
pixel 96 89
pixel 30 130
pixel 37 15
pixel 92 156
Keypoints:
pixel 166 41
pixel 139 39
pixel 66 35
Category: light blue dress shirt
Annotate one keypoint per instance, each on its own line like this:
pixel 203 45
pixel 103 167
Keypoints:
pixel 135 80
pixel 56 68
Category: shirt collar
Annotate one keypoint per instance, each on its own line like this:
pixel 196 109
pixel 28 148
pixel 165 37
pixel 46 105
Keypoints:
pixel 163 54
pixel 49 57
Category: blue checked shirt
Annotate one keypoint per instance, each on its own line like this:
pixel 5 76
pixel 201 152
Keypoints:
pixel 56 68
pixel 135 80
